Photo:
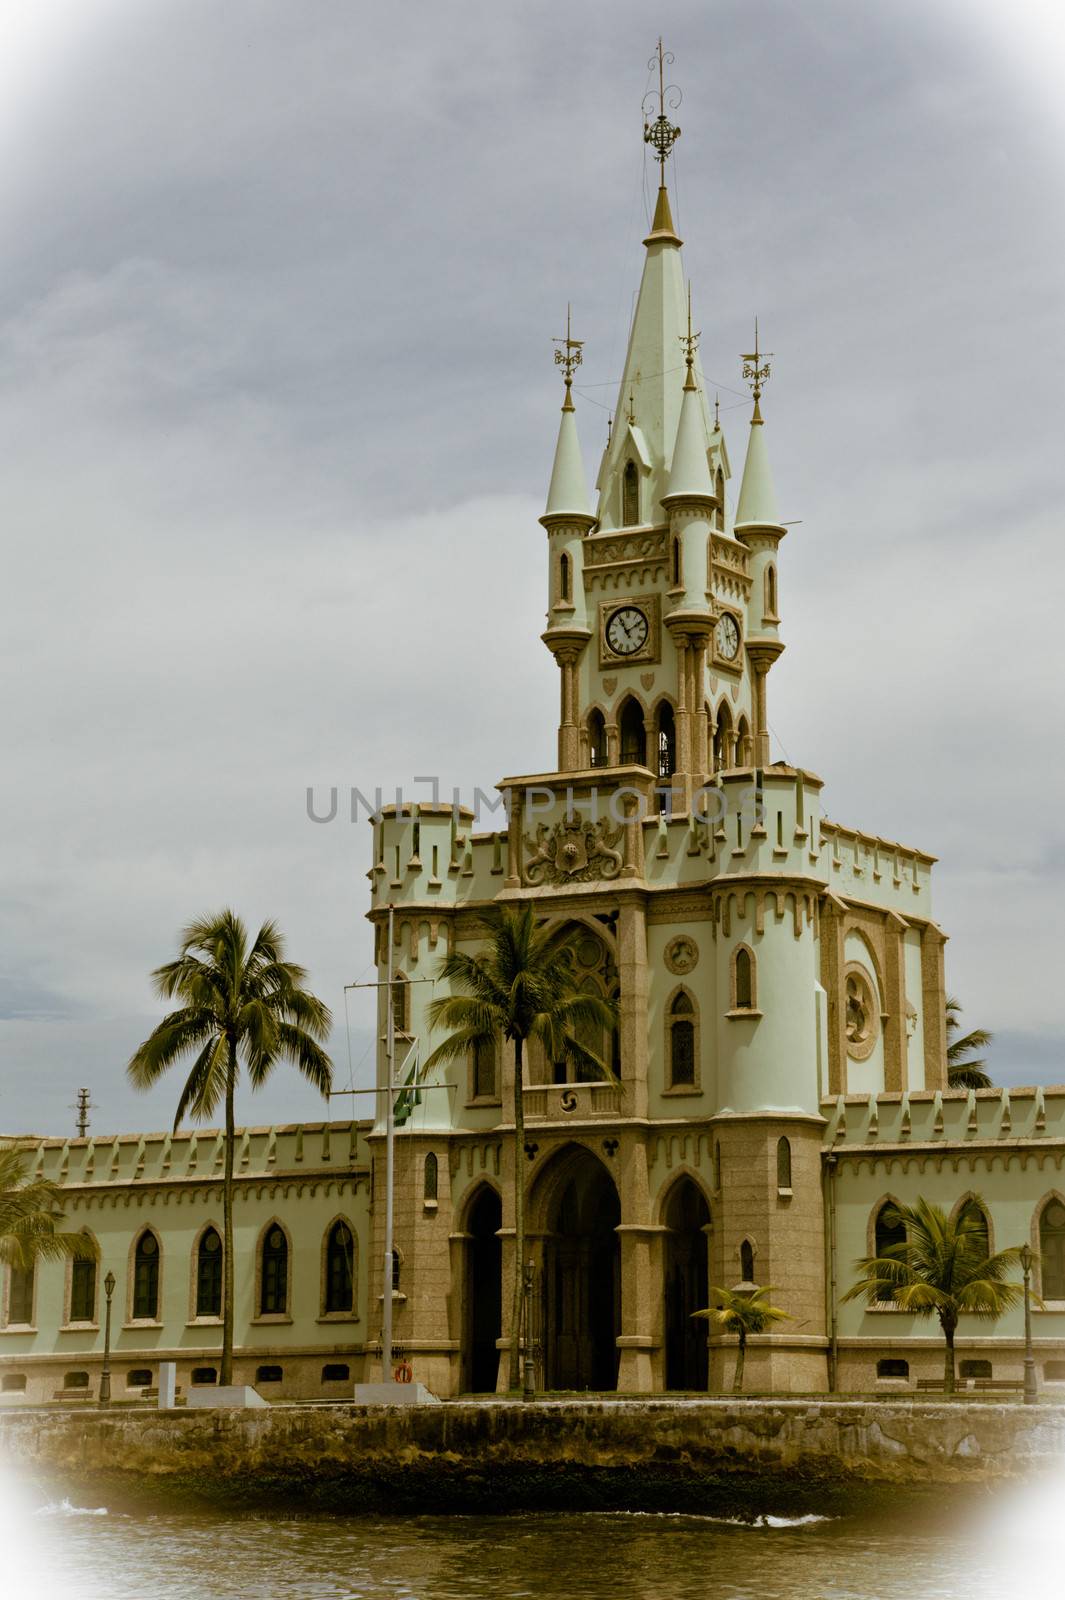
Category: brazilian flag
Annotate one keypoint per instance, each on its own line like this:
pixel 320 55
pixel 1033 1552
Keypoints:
pixel 409 1096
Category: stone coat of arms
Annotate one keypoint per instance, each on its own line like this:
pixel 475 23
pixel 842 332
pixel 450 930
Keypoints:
pixel 574 850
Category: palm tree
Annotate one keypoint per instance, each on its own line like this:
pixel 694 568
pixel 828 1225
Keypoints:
pixel 524 986
pixel 963 1074
pixel 940 1268
pixel 241 1003
pixel 742 1311
pixel 30 1214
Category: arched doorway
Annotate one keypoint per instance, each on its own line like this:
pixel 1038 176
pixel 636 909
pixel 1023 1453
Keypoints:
pixel 484 1292
pixel 686 1287
pixel 580 1210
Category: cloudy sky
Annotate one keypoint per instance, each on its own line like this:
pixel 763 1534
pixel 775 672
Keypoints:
pixel 277 408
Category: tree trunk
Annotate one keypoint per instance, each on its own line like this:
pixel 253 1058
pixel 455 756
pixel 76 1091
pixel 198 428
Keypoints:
pixel 948 1363
pixel 227 1223
pixel 741 1357
pixel 514 1378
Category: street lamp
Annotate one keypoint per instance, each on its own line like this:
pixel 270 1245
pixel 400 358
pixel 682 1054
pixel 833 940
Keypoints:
pixel 105 1375
pixel 1030 1394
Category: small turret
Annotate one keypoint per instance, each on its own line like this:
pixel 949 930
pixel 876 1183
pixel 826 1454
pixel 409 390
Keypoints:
pixel 758 526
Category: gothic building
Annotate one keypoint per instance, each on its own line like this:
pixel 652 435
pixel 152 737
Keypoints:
pixel 780 1058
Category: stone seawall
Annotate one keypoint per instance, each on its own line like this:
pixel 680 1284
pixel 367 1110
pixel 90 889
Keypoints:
pixel 731 1457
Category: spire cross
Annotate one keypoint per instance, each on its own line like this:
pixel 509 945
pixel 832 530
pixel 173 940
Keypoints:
pixel 568 357
pixel 756 369
pixel 690 341
pixel 661 134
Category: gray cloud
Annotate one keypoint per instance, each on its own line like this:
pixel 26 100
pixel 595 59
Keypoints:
pixel 277 409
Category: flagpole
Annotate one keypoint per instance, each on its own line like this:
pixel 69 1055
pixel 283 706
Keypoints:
pixel 390 1140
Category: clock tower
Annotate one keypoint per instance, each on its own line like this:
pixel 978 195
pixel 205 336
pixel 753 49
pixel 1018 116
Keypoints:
pixel 663 600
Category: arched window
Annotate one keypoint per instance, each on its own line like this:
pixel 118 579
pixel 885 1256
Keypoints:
pixel 20 1296
pixel 674 562
pixel 395 1271
pixel 484 1070
pixel 681 1042
pixel 783 1163
pixel 723 738
pixel 83 1290
pixel 400 1003
pixel 596 739
pixel 209 1274
pixel 273 1282
pixel 981 1231
pixel 889 1229
pixel 743 743
pixel 565 585
pixel 1052 1250
pixel 146 1278
pixel 719 490
pixel 430 1177
pixel 747 1261
pixel 633 737
pixel 339 1269
pixel 667 745
pixel 744 993
pixel 770 590
pixel 630 495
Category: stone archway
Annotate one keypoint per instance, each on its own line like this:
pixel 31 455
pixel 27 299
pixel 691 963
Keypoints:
pixel 577 1208
pixel 483 1300
pixel 686 1286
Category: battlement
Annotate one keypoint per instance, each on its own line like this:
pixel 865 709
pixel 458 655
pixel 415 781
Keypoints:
pixel 197 1154
pixel 957 1117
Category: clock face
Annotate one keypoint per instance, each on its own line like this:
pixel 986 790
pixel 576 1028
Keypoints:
pixel 727 637
pixel 626 631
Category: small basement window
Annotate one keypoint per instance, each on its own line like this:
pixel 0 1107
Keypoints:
pixel 139 1378
pixel 976 1369
pixel 892 1367
pixel 1053 1372
pixel 205 1374
pixel 269 1374
pixel 76 1380
pixel 336 1372
pixel 15 1382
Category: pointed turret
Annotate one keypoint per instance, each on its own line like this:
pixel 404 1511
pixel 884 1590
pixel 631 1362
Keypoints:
pixel 758 501
pixel 689 473
pixel 568 494
pixel 758 526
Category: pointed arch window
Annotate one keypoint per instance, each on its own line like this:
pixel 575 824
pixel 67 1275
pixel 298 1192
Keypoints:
pixel 20 1296
pixel 83 1289
pixel 630 495
pixel 273 1280
pixel 209 1274
pixel 565 579
pixel 633 735
pixel 339 1270
pixel 666 740
pixel 400 1003
pixel 744 980
pixel 743 743
pixel 1052 1250
pixel 596 739
pixel 674 562
pixel 430 1177
pixel 681 1028
pixel 485 1086
pixel 784 1164
pixel 723 738
pixel 771 591
pixel 146 1278
pixel 747 1261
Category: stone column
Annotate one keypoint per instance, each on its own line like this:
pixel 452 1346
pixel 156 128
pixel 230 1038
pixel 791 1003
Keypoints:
pixel 762 653
pixel 515 823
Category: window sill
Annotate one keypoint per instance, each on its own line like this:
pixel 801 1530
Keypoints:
pixel 1048 1305
pixel 886 1308
pixel 480 1100
pixel 398 1298
pixel 204 1322
pixel 141 1322
pixel 743 1014
pixel 19 1327
pixel 78 1327
pixel 784 1194
pixel 430 1205
pixel 270 1318
pixel 682 1091
pixel 338 1316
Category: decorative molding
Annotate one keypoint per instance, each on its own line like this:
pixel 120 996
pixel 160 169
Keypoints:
pixel 574 850
pixel 681 955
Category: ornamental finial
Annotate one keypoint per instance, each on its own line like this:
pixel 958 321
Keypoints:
pixel 568 357
pixel 756 371
pixel 690 341
pixel 661 134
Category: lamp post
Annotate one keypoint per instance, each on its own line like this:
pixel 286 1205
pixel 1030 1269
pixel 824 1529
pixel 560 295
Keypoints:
pixel 105 1375
pixel 1030 1392
pixel 529 1371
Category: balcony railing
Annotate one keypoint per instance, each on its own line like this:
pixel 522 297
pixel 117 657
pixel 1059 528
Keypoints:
pixel 557 1102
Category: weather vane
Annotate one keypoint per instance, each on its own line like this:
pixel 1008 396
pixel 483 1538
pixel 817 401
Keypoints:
pixel 631 413
pixel 568 357
pixel 661 133
pixel 756 367
pixel 690 341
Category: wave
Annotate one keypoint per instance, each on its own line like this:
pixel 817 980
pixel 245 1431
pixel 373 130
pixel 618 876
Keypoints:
pixel 762 1521
pixel 63 1508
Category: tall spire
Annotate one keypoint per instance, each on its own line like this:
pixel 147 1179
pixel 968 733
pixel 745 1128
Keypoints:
pixel 758 501
pixel 568 493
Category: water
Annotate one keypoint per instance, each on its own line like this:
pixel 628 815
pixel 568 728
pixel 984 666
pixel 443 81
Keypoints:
pixel 59 1549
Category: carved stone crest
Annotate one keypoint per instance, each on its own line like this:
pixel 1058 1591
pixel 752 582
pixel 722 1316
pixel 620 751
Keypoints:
pixel 574 850
pixel 682 954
